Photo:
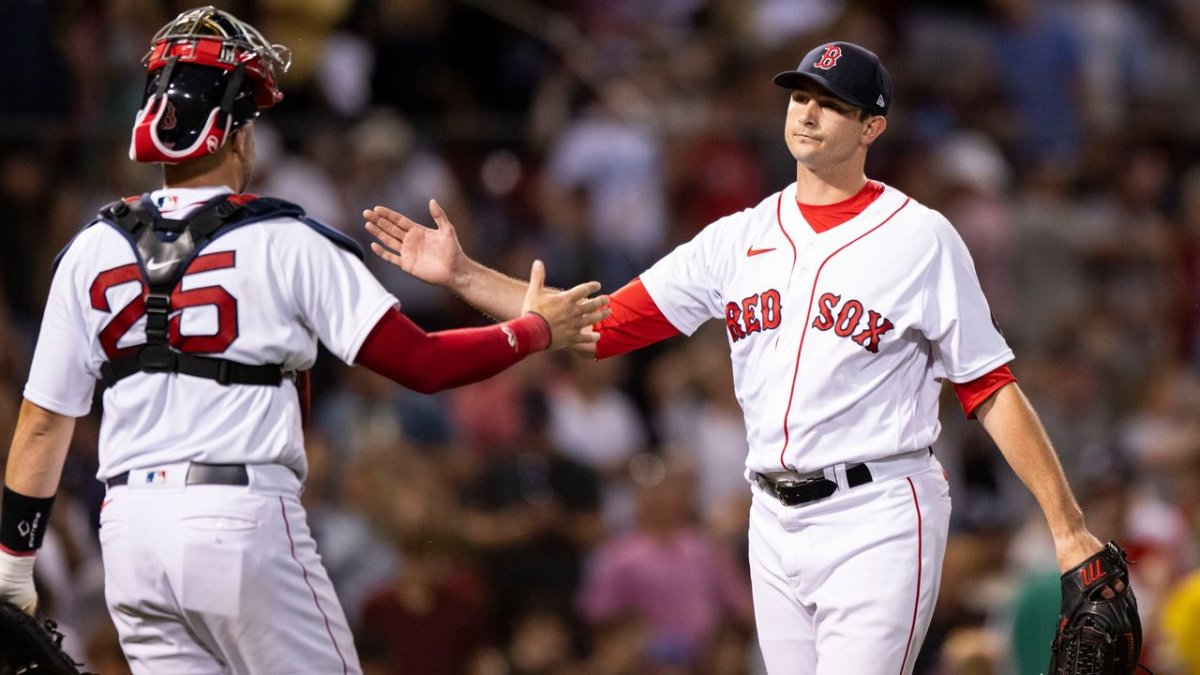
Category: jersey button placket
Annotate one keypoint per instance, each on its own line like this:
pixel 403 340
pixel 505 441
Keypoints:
pixel 806 256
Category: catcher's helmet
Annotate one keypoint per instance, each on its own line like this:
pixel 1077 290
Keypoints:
pixel 207 74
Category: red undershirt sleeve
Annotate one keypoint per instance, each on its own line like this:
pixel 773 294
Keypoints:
pixel 634 323
pixel 971 394
pixel 401 351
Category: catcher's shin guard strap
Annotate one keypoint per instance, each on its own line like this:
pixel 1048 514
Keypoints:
pixel 23 521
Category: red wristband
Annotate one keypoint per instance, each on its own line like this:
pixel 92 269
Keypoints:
pixel 533 330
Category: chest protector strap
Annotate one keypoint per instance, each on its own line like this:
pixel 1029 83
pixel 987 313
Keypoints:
pixel 163 263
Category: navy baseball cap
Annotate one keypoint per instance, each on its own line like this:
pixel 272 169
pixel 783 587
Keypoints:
pixel 847 71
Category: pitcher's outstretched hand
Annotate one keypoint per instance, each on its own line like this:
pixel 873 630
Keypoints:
pixel 431 254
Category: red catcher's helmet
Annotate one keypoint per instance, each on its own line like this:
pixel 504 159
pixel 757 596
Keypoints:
pixel 208 73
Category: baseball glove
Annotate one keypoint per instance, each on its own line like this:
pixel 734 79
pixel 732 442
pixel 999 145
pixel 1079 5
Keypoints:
pixel 1099 632
pixel 28 645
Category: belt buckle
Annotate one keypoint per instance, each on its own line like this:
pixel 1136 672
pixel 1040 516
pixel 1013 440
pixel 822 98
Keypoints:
pixel 791 492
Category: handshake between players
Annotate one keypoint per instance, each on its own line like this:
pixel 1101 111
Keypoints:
pixel 434 255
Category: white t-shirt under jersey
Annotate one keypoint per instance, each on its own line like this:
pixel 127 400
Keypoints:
pixel 269 291
pixel 839 339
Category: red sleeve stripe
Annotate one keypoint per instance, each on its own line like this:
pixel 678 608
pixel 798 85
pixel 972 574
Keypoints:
pixel 971 394
pixel 634 323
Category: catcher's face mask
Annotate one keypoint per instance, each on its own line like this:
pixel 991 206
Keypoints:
pixel 207 74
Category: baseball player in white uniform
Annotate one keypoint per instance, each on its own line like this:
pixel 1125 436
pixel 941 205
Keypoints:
pixel 846 304
pixel 200 308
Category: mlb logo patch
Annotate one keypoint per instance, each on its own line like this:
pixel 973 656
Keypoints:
pixel 156 477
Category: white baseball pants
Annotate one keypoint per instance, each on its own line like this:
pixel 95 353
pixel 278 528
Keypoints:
pixel 206 579
pixel 848 584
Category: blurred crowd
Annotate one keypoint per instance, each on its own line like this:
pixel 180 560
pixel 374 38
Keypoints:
pixel 570 516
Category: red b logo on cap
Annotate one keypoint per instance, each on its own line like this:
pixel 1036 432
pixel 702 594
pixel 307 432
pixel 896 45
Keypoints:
pixel 830 58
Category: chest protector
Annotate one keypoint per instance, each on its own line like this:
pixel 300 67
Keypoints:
pixel 164 248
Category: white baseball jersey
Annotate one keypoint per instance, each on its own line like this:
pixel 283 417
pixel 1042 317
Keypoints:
pixel 261 294
pixel 839 339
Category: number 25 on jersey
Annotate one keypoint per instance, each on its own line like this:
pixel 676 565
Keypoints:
pixel 123 320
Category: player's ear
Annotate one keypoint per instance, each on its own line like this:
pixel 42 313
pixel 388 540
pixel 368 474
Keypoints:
pixel 874 128
pixel 241 141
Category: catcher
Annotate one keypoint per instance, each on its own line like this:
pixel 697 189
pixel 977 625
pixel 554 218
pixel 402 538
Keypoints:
pixel 201 309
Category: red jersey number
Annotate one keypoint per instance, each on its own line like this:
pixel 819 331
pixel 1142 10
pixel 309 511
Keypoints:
pixel 128 315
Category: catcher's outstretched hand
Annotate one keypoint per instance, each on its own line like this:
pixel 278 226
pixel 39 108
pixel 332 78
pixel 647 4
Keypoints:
pixel 570 313
pixel 431 254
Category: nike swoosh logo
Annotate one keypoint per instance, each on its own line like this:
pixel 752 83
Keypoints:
pixel 154 265
pixel 751 252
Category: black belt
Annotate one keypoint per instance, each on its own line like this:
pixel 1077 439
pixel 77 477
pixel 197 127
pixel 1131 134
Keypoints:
pixel 792 492
pixel 198 474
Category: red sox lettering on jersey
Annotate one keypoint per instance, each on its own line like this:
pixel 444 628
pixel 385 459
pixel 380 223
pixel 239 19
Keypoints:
pixel 832 332
pixel 846 322
pixel 763 312
pixel 753 314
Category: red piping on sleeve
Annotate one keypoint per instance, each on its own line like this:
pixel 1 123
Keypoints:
pixel 634 323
